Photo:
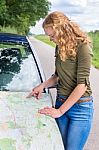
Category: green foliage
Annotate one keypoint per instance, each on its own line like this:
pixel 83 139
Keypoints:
pixel 22 13
pixel 95 38
pixel 8 30
pixel 3 12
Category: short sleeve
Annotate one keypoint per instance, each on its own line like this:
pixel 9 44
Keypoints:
pixel 84 56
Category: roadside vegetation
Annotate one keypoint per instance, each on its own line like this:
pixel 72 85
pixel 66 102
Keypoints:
pixel 95 39
pixel 45 39
pixel 21 14
pixel 9 29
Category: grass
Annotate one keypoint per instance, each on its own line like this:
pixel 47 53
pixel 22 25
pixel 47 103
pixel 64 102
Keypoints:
pixel 95 38
pixel 8 30
pixel 45 39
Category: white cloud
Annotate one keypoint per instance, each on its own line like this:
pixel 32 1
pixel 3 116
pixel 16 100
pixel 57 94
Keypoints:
pixel 84 12
pixel 82 3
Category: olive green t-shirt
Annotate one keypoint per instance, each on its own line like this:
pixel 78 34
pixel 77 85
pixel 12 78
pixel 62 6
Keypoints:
pixel 74 71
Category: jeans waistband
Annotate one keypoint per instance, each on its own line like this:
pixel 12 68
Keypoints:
pixel 82 99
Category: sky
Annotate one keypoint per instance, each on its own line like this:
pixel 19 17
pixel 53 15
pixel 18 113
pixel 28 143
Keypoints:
pixel 84 12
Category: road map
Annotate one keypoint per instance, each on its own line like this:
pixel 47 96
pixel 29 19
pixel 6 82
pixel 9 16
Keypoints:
pixel 23 128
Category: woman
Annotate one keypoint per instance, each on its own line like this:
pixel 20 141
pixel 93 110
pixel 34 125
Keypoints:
pixel 74 104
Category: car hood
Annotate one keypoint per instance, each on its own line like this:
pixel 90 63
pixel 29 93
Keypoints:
pixel 22 127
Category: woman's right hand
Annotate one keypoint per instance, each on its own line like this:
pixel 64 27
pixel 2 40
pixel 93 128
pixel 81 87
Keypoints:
pixel 36 92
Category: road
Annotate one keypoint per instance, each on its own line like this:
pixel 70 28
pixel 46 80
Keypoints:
pixel 46 55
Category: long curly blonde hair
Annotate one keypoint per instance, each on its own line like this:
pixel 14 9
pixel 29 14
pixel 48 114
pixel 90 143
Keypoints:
pixel 67 32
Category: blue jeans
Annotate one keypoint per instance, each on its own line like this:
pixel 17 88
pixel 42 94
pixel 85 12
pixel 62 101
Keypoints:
pixel 75 124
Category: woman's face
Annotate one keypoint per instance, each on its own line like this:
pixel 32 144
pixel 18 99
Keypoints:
pixel 50 32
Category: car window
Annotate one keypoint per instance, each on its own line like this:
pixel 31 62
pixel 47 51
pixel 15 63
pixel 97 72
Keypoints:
pixel 18 70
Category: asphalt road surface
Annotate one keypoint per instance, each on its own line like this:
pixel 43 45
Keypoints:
pixel 46 56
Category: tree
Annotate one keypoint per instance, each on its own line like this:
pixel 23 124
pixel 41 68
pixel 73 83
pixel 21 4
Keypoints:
pixel 22 13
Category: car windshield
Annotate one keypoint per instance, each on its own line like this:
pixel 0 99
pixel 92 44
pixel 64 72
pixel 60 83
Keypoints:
pixel 18 70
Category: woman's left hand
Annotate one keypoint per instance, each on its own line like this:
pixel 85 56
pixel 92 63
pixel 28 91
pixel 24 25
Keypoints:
pixel 52 112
